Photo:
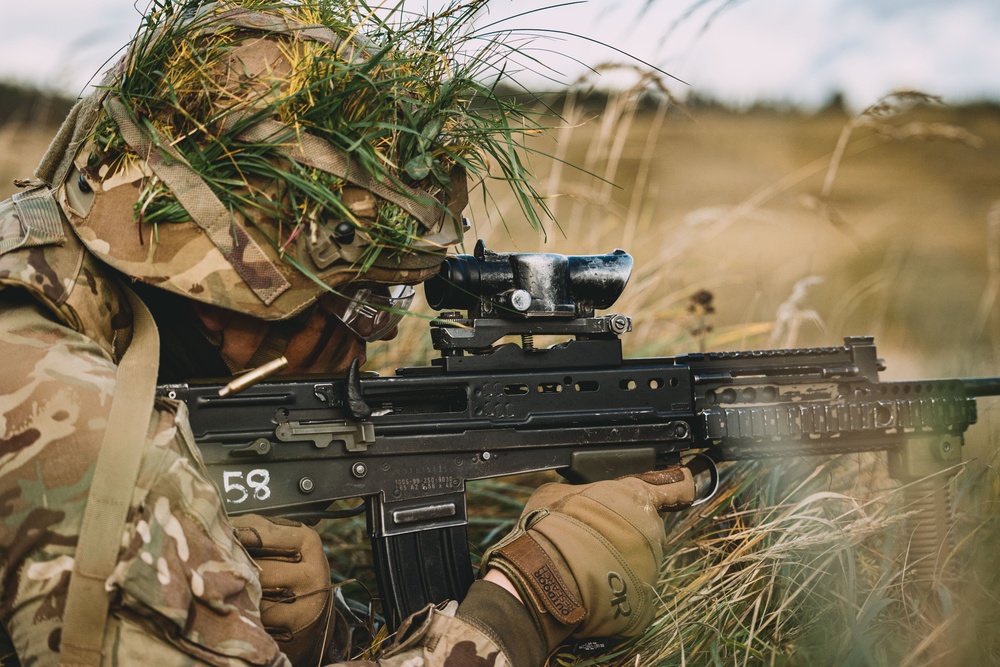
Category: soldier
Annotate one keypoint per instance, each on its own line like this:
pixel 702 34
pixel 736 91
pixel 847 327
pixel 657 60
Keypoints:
pixel 252 180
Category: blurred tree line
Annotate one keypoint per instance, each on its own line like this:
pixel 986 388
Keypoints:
pixel 29 105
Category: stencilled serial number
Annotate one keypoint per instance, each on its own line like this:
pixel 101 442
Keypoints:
pixel 238 488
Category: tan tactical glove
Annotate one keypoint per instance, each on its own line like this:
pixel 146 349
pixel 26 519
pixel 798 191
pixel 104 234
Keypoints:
pixel 295 579
pixel 584 558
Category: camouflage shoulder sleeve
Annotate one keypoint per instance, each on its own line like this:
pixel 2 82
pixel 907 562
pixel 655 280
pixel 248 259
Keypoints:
pixel 184 592
pixel 490 629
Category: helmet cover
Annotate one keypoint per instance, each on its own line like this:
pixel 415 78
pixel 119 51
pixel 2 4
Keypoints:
pixel 256 154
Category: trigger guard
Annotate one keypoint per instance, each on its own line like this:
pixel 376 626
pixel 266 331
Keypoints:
pixel 704 463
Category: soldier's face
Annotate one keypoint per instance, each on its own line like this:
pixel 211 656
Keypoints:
pixel 323 344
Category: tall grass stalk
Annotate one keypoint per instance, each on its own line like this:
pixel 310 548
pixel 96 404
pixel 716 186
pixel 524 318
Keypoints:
pixel 992 290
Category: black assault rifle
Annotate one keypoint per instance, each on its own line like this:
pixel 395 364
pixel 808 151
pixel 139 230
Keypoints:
pixel 407 444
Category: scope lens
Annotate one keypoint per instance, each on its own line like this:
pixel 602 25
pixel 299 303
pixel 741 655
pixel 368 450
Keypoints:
pixel 456 285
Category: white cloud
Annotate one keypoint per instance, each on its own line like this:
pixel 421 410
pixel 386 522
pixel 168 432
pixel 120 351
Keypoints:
pixel 61 44
pixel 941 49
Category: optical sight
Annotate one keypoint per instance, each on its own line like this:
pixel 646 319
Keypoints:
pixel 521 284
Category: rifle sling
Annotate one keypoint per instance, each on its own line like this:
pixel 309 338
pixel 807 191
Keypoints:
pixel 111 490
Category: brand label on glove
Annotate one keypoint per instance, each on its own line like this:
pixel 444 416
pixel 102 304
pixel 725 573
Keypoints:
pixel 619 595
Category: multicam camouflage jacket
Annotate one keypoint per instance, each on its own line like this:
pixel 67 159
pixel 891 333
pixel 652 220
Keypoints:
pixel 184 591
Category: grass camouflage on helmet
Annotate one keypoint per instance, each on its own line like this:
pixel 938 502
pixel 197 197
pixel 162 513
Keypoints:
pixel 255 154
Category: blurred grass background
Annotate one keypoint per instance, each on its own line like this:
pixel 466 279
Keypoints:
pixel 803 228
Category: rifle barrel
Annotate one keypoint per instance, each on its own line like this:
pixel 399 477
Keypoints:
pixel 982 386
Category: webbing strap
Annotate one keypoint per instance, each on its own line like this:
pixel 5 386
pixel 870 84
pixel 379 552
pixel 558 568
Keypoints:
pixel 313 151
pixel 247 18
pixel 205 209
pixel 110 497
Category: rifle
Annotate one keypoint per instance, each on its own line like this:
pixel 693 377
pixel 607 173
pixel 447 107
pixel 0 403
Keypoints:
pixel 407 444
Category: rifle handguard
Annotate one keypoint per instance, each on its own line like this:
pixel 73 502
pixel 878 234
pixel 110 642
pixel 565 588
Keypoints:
pixel 584 558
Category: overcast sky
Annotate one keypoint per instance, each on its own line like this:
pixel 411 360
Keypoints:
pixel 799 51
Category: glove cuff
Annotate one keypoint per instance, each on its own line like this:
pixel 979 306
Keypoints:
pixel 554 601
pixel 546 588
pixel 500 615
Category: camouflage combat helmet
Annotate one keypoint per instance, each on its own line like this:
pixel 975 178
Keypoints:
pixel 256 154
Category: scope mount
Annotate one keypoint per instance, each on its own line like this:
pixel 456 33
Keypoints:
pixel 452 333
pixel 526 295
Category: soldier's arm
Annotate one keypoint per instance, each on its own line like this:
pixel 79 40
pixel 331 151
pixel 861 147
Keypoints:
pixel 582 561
pixel 183 592
pixel 490 627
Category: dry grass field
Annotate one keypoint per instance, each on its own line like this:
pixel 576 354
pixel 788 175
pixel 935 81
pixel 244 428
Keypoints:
pixel 803 233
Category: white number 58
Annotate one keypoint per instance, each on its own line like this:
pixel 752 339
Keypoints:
pixel 257 481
